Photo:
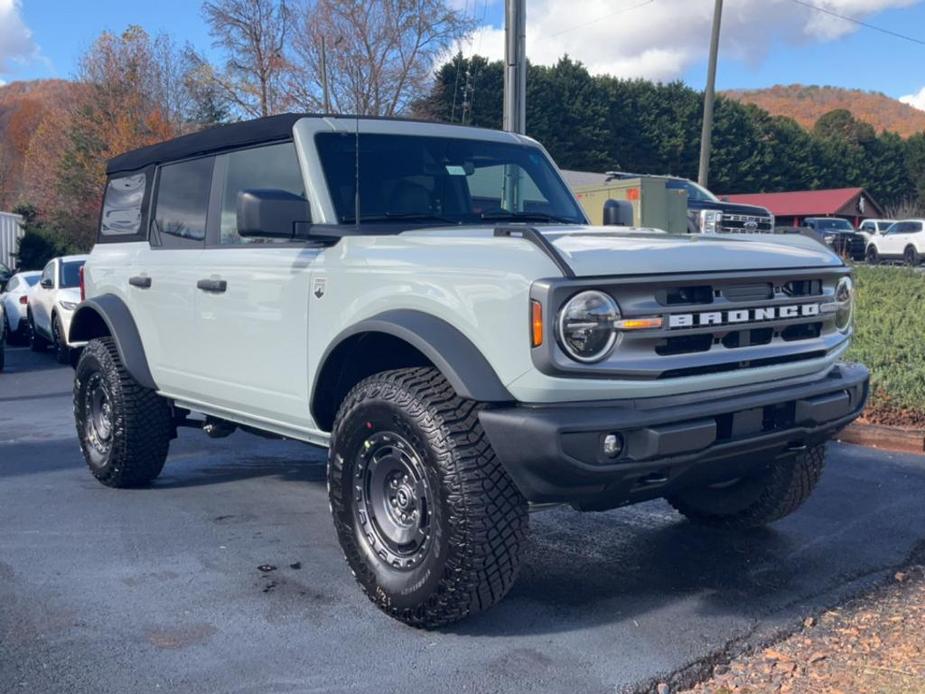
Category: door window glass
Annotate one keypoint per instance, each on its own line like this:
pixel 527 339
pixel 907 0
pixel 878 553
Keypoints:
pixel 183 199
pixel 122 205
pixel 274 167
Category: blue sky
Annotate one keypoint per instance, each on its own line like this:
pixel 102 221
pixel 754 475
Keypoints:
pixel 765 42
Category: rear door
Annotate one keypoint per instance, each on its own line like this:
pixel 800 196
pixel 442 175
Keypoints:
pixel 253 322
pixel 42 298
pixel 162 286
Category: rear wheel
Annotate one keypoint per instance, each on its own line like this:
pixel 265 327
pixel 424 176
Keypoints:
pixel 911 256
pixel 2 350
pixel 124 428
pixel 777 490
pixel 872 257
pixel 429 521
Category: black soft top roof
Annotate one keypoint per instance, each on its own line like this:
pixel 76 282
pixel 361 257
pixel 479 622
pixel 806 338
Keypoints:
pixel 220 137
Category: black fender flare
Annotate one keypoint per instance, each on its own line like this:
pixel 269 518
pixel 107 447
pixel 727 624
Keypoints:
pixel 121 326
pixel 448 349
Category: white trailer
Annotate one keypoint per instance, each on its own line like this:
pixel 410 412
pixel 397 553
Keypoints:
pixel 10 233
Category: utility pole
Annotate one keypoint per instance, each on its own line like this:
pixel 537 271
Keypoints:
pixel 324 75
pixel 515 66
pixel 706 136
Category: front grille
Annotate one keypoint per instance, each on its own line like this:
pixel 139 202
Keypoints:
pixel 731 321
pixel 745 224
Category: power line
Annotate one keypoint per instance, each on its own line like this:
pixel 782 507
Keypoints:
pixel 858 22
pixel 606 16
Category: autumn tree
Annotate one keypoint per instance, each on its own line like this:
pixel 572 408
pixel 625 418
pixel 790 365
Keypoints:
pixel 252 34
pixel 126 98
pixel 380 55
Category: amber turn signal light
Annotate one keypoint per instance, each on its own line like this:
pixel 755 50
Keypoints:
pixel 536 322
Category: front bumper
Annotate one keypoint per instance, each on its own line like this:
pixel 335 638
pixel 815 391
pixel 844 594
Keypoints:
pixel 554 453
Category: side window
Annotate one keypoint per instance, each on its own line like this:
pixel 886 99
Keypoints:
pixel 49 273
pixel 122 205
pixel 272 167
pixel 182 203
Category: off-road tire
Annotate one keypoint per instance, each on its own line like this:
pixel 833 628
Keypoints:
pixel 478 518
pixel 776 491
pixel 59 344
pixel 140 422
pixel 37 343
pixel 911 256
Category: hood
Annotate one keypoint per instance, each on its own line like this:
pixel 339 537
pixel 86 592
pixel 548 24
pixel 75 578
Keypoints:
pixel 71 294
pixel 602 251
pixel 729 207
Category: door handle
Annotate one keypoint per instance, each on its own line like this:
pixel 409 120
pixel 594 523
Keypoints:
pixel 217 286
pixel 140 281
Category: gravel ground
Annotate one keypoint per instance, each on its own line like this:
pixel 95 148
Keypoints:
pixel 873 644
pixel 160 589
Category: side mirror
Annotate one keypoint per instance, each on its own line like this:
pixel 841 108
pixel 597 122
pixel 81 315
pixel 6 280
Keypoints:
pixel 47 284
pixel 618 213
pixel 273 214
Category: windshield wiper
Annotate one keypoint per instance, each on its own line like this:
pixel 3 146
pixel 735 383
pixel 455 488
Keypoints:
pixel 401 216
pixel 526 217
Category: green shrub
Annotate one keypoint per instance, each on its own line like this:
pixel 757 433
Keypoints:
pixel 889 323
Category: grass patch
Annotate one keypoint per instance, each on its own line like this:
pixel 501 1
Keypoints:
pixel 889 337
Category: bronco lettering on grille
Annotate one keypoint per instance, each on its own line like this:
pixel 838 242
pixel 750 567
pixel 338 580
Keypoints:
pixel 743 315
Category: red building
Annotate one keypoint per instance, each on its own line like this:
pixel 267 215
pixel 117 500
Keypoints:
pixel 790 209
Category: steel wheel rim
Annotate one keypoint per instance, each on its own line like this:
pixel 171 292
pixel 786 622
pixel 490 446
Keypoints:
pixel 98 424
pixel 393 510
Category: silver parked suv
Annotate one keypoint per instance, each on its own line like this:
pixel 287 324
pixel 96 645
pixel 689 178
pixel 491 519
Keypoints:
pixel 429 302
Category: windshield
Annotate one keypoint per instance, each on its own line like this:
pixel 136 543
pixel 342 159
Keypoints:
pixel 833 225
pixel 442 180
pixel 70 273
pixel 694 191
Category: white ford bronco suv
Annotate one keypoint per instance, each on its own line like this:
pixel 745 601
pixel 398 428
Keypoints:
pixel 429 302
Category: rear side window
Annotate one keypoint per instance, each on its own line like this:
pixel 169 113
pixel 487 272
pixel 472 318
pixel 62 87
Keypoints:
pixel 273 167
pixel 183 201
pixel 70 273
pixel 122 205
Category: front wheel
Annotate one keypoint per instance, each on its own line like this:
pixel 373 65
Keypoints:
pixel 776 490
pixel 911 256
pixel 124 429
pixel 872 258
pixel 37 343
pixel 429 521
pixel 59 342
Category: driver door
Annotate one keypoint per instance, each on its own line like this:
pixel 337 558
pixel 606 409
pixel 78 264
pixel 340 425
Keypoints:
pixel 894 240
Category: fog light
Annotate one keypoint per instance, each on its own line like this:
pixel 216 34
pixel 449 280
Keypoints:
pixel 613 445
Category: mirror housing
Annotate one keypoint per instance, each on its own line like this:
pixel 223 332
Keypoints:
pixel 618 213
pixel 271 213
pixel 47 284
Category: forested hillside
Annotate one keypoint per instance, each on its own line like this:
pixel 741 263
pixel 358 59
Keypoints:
pixel 597 123
pixel 806 104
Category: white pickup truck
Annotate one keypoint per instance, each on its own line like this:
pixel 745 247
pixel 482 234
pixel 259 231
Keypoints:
pixel 429 302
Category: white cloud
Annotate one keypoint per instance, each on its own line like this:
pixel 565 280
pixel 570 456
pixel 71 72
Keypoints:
pixel 660 39
pixel 915 100
pixel 16 42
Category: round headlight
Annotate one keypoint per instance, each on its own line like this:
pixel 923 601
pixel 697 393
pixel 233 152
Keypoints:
pixel 586 326
pixel 844 303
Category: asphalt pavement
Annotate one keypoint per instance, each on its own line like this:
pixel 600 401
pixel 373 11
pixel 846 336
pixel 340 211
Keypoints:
pixel 158 589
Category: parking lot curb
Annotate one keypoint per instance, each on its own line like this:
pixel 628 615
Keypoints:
pixel 884 437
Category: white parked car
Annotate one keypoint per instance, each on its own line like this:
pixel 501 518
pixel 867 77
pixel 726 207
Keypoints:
pixel 904 241
pixel 52 303
pixel 873 227
pixel 15 302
